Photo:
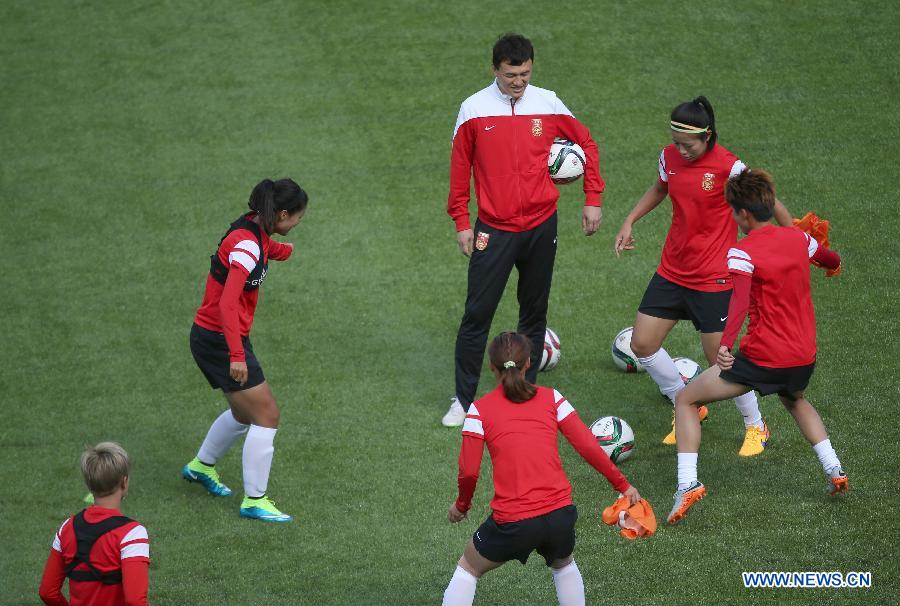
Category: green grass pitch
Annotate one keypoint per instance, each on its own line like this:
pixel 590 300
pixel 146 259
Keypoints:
pixel 132 133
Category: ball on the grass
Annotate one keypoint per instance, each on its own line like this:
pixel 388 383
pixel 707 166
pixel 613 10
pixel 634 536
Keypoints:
pixel 615 436
pixel 566 161
pixel 622 354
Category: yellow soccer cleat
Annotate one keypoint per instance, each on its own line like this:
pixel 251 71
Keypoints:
pixel 755 441
pixel 670 440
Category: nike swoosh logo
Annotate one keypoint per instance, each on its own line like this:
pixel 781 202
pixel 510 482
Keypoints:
pixel 671 172
pixel 489 127
pixel 723 319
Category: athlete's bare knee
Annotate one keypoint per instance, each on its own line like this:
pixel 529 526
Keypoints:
pixel 643 348
pixel 268 415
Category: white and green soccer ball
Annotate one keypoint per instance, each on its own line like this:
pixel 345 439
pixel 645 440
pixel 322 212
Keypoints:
pixel 622 354
pixel 552 353
pixel 687 368
pixel 566 161
pixel 615 436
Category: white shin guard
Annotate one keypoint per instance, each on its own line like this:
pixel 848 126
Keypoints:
pixel 662 369
pixel 258 450
pixel 461 590
pixel 221 435
pixel 569 585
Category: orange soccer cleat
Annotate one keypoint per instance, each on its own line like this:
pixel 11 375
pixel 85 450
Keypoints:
pixel 837 481
pixel 684 500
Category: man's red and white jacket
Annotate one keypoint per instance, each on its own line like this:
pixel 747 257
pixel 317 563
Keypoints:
pixel 507 145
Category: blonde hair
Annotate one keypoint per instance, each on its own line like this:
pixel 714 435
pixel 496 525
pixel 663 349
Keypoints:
pixel 103 467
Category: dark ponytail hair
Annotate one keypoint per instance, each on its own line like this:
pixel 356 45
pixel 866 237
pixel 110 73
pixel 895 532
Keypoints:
pixel 699 114
pixel 509 351
pixel 271 197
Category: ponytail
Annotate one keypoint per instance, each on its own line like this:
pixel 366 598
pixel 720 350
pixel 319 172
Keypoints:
pixel 262 200
pixel 509 352
pixel 269 198
pixel 706 106
pixel 696 117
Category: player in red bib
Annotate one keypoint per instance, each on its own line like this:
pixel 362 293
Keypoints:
pixel 532 504
pixel 220 343
pixel 770 272
pixel 692 282
pixel 104 554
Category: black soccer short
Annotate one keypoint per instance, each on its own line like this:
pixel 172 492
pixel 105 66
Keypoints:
pixel 664 299
pixel 552 535
pixel 214 360
pixel 783 381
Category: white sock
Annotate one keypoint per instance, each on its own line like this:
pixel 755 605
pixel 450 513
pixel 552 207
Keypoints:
pixel 569 585
pixel 461 590
pixel 258 450
pixel 221 435
pixel 749 407
pixel 687 469
pixel 827 457
pixel 662 369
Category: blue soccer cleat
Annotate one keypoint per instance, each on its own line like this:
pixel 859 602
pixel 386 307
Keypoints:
pixel 195 471
pixel 263 509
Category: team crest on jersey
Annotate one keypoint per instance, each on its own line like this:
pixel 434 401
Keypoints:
pixel 537 127
pixel 707 184
pixel 482 241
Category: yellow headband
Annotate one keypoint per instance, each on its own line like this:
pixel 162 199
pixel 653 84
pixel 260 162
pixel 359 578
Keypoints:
pixel 687 128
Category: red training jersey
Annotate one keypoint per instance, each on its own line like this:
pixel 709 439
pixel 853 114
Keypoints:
pixel 782 329
pixel 506 144
pixel 228 308
pixel 703 228
pixel 521 437
pixel 126 548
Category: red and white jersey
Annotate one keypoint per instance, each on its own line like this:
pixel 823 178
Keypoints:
pixel 702 228
pixel 506 145
pixel 232 314
pixel 782 329
pixel 529 479
pixel 126 543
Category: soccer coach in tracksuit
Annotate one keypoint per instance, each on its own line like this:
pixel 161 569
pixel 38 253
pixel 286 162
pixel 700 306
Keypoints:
pixel 503 134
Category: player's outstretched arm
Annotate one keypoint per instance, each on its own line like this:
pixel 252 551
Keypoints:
pixel 782 214
pixel 650 200
pixel 827 259
pixel 585 443
pixel 470 454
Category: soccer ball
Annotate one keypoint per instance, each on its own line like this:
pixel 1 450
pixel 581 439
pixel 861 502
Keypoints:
pixel 551 355
pixel 622 354
pixel 687 368
pixel 615 437
pixel 566 161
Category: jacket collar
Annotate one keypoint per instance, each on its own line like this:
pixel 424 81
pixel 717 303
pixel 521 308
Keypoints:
pixel 503 96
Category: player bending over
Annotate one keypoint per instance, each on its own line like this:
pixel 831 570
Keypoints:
pixel 532 504
pixel 220 343
pixel 770 272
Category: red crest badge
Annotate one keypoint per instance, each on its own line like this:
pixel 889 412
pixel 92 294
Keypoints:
pixel 707 184
pixel 481 241
pixel 537 127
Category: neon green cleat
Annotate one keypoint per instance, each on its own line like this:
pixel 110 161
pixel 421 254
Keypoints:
pixel 263 509
pixel 195 471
